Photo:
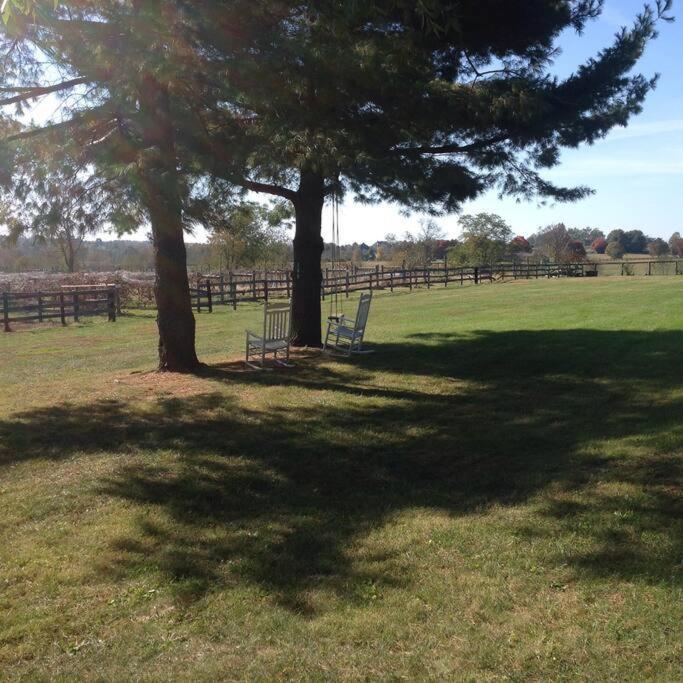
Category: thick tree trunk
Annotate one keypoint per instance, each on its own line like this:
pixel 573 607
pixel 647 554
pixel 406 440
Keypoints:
pixel 172 292
pixel 160 191
pixel 308 248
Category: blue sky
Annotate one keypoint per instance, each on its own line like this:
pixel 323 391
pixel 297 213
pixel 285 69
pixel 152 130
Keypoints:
pixel 637 172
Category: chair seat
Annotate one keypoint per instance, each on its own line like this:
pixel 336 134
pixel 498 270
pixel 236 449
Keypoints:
pixel 346 332
pixel 270 345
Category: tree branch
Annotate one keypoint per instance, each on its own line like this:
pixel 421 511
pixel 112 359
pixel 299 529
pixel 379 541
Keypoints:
pixel 35 132
pixel 29 93
pixel 276 190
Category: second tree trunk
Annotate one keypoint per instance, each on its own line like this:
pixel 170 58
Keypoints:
pixel 308 249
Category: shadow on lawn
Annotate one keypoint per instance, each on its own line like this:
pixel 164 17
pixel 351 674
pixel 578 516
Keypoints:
pixel 277 496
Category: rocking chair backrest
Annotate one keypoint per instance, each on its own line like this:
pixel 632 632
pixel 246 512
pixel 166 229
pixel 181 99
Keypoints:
pixel 277 321
pixel 363 311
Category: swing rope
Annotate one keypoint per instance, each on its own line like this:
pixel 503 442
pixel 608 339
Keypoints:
pixel 336 256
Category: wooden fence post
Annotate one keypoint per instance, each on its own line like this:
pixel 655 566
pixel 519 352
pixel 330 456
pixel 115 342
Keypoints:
pixel 429 279
pixel 476 275
pixel 391 281
pixel 649 267
pixel 40 307
pixel 76 306
pixel 233 293
pixel 253 285
pixel 221 288
pixel 445 276
pixel 265 289
pixel 209 296
pixel 622 267
pixel 111 305
pixel 5 310
pixel 347 284
pixel 62 308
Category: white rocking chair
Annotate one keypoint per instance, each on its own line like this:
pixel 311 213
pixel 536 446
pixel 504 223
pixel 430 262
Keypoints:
pixel 276 337
pixel 347 334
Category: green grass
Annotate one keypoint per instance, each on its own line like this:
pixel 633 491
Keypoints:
pixel 495 494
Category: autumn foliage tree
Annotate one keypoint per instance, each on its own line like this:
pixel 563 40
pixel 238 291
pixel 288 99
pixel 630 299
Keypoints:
pixel 520 245
pixel 676 244
pixel 658 247
pixel 599 245
pixel 575 251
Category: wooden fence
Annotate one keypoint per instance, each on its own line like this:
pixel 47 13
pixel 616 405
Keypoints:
pixel 69 303
pixel 233 288
pixel 229 289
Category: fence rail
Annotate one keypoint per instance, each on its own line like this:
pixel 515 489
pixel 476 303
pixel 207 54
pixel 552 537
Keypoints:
pixel 72 302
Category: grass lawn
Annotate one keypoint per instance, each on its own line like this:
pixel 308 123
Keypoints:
pixel 494 494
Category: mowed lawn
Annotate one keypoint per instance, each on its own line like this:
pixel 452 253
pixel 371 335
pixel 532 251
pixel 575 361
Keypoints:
pixel 494 494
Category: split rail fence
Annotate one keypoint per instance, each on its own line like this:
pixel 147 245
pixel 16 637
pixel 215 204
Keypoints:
pixel 70 303
pixel 233 288
pixel 75 302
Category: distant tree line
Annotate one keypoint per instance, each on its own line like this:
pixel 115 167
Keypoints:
pixel 26 254
pixel 254 235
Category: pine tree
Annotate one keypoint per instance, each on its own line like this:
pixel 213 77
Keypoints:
pixel 423 104
pixel 131 83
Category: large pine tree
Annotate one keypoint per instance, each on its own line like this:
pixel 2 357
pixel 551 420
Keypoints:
pixel 424 104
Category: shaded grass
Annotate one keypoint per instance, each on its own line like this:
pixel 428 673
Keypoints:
pixel 494 493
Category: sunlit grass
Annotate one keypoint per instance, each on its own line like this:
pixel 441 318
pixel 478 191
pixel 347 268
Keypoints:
pixel 496 492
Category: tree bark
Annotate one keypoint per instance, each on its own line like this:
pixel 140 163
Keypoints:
pixel 161 195
pixel 308 249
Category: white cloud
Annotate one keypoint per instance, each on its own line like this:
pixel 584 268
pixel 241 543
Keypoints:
pixel 614 17
pixel 637 130
pixel 587 168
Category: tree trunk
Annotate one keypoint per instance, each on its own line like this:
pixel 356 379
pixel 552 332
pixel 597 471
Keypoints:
pixel 308 249
pixel 160 191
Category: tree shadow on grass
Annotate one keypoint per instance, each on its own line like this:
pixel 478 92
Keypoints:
pixel 278 496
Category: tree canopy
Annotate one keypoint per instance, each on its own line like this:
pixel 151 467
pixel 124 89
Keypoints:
pixel 54 199
pixel 485 239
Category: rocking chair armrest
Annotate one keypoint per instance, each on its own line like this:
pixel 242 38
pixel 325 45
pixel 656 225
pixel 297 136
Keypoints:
pixel 253 334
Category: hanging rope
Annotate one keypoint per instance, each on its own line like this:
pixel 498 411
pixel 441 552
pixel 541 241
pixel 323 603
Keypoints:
pixel 336 256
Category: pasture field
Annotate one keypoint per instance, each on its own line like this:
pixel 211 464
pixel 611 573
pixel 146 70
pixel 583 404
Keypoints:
pixel 494 494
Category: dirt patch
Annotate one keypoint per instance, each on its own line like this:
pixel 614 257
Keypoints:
pixel 172 384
